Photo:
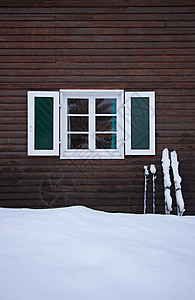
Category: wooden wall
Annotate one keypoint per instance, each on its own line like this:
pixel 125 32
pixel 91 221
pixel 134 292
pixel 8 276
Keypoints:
pixel 124 44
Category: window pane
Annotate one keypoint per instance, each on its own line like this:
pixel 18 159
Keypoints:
pixel 140 134
pixel 78 124
pixel 77 141
pixel 77 106
pixel 43 123
pixel 105 106
pixel 105 123
pixel 106 141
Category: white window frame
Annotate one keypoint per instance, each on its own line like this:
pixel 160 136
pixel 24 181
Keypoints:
pixel 92 153
pixel 151 150
pixel 31 123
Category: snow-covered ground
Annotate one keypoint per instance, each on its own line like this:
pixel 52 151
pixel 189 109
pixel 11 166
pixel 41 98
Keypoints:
pixel 80 254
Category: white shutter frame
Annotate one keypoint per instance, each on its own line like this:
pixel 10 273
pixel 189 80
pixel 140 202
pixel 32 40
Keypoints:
pixel 31 123
pixel 128 150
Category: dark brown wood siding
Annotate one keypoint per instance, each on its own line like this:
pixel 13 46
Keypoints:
pixel 135 45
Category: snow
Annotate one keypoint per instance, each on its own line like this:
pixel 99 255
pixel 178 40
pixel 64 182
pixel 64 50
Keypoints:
pixel 180 201
pixel 146 172
pixel 167 181
pixel 77 254
pixel 152 169
pixel 166 167
pixel 168 199
pixel 175 168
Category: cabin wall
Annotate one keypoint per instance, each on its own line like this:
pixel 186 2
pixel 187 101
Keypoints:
pixel 135 45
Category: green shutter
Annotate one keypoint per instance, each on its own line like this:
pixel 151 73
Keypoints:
pixel 44 123
pixel 140 132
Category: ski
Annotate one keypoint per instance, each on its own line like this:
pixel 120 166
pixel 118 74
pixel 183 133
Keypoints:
pixel 167 181
pixel 177 182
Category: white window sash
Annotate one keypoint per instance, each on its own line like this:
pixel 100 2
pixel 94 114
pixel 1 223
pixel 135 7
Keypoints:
pixel 92 153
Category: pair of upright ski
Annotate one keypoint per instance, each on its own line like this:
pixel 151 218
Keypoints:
pixel 146 175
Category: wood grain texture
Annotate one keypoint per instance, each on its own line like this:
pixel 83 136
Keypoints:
pixel 135 45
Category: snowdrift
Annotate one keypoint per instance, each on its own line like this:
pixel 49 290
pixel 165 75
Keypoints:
pixel 79 254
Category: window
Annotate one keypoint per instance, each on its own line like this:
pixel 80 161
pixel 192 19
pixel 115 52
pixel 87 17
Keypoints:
pixel 89 124
pixel 92 124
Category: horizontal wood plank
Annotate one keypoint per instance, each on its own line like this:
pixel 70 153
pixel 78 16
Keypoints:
pixel 138 8
pixel 149 16
pixel 95 3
